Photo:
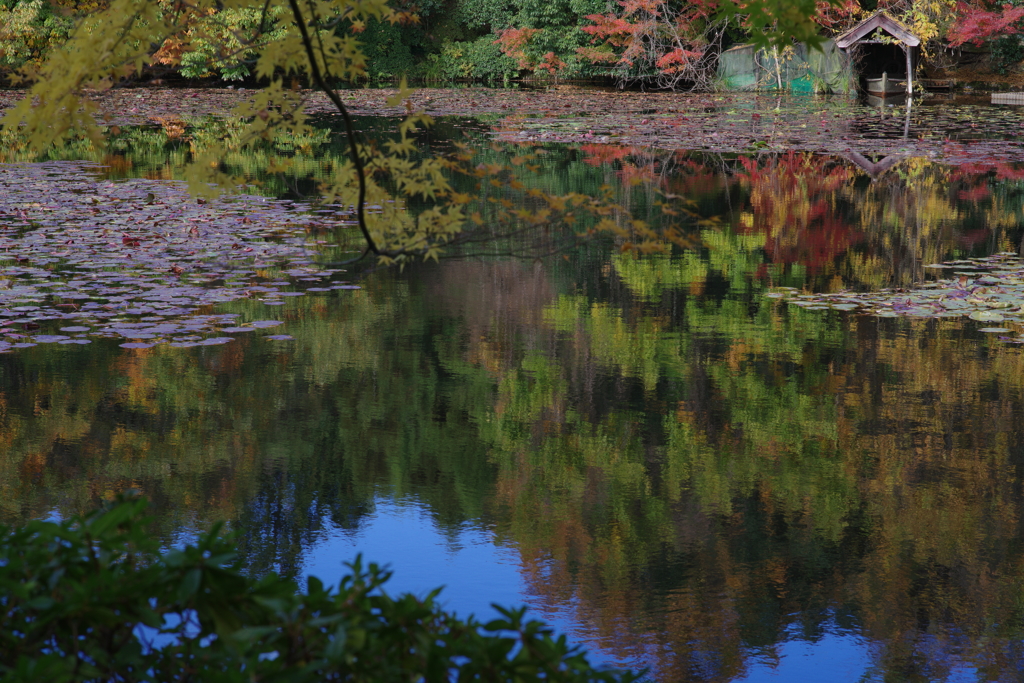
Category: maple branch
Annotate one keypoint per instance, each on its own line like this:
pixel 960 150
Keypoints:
pixel 349 129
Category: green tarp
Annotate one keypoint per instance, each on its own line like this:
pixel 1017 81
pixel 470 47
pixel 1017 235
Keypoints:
pixel 797 69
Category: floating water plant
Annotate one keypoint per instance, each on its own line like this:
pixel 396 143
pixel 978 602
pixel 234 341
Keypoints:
pixel 988 290
pixel 141 260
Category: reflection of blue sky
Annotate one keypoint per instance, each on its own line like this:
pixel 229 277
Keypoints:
pixel 834 656
pixel 476 573
pixel 839 655
pixel 473 570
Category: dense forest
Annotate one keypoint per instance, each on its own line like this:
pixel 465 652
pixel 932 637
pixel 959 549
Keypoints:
pixel 664 43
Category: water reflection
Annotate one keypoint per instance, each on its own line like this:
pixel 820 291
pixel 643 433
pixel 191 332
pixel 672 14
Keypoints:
pixel 682 473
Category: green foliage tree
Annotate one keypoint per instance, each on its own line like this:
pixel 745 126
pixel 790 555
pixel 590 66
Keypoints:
pixel 29 31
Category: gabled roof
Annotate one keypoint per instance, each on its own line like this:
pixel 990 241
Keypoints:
pixel 878 20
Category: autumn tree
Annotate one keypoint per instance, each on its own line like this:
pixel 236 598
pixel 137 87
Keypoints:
pixel 929 20
pixel 418 212
pixel 999 25
pixel 671 44
pixel 286 44
pixel 662 42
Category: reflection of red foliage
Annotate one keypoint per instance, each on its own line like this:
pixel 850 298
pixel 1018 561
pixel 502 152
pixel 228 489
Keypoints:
pixel 631 174
pixel 963 171
pixel 641 170
pixel 1002 169
pixel 677 173
pixel 791 205
pixel 637 165
pixel 1008 172
pixel 791 169
pixel 969 240
pixel 816 245
pixel 692 178
pixel 977 175
pixel 600 155
pixel 973 194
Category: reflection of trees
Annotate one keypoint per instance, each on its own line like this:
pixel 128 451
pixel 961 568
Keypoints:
pixel 824 216
pixel 794 202
pixel 686 468
pixel 281 438
pixel 689 476
pixel 821 217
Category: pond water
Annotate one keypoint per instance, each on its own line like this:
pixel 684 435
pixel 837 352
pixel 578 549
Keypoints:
pixel 677 470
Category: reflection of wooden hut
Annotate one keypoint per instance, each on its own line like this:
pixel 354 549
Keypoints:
pixel 873 168
pixel 886 53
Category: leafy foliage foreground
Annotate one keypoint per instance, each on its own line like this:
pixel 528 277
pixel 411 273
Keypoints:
pixel 94 598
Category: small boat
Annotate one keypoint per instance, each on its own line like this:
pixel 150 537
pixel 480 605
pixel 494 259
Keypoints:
pixel 885 86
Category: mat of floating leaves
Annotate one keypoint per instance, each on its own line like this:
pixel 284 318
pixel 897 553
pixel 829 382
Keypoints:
pixel 988 290
pixel 139 259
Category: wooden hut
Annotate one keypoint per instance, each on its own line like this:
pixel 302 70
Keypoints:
pixel 878 36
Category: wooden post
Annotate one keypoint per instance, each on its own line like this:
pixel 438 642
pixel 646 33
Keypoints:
pixel 910 68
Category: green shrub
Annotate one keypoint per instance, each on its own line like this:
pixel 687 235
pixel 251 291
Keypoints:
pixel 391 50
pixel 1007 52
pixel 480 59
pixel 95 599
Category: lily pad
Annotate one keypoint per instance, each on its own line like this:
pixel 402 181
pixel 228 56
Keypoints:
pixel 986 316
pixel 142 252
pixel 995 295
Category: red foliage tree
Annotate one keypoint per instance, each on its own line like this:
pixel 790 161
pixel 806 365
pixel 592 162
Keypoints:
pixel 670 43
pixel 838 16
pixel 976 23
pixel 514 41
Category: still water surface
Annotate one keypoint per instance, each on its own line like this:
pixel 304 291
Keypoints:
pixel 677 471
